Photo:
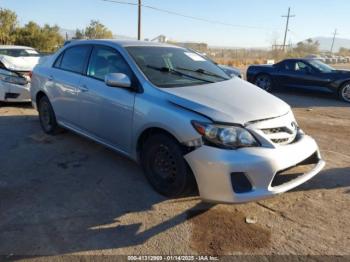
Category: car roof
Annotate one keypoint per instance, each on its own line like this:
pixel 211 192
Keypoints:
pixel 122 43
pixel 297 59
pixel 14 47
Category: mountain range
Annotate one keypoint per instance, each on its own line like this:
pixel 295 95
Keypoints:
pixel 326 43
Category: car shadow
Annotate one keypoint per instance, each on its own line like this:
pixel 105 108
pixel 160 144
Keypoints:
pixel 66 194
pixel 300 98
pixel 334 178
pixel 16 104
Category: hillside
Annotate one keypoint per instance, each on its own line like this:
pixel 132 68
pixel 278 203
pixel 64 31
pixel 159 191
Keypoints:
pixel 326 43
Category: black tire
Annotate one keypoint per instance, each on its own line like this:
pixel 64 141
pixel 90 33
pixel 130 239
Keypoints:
pixel 47 117
pixel 264 81
pixel 344 92
pixel 165 167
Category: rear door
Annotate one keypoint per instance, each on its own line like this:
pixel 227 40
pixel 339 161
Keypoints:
pixel 106 112
pixel 64 78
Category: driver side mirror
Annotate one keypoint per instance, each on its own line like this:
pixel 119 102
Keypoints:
pixel 118 80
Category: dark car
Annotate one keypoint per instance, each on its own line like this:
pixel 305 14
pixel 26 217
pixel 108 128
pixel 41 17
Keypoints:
pixel 301 73
pixel 231 71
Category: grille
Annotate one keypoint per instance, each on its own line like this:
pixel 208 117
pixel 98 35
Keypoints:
pixel 277 130
pixel 290 174
pixel 280 141
pixel 282 135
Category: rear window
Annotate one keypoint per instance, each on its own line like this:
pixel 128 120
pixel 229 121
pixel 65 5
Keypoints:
pixel 74 59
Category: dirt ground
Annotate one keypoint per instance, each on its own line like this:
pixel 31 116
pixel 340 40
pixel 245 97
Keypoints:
pixel 67 195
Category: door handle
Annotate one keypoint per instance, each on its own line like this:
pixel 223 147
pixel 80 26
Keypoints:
pixel 83 88
pixel 50 78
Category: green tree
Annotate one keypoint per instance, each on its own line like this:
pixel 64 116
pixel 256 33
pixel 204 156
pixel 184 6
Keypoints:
pixel 51 38
pixel 45 39
pixel 8 24
pixel 96 30
pixel 344 51
pixel 79 34
pixel 308 47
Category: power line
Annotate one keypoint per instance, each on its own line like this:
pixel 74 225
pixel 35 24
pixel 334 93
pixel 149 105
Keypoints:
pixel 186 16
pixel 287 28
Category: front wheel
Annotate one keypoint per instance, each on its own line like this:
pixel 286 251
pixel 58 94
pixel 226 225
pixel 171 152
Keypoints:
pixel 344 92
pixel 264 82
pixel 165 167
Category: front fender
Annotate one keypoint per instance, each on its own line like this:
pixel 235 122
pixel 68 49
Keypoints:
pixel 155 112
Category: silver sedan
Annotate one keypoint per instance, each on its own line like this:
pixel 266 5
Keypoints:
pixel 187 122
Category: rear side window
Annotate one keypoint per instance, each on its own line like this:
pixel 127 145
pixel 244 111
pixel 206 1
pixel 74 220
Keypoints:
pixel 74 59
pixel 58 61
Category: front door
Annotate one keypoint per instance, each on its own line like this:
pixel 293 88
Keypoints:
pixel 106 113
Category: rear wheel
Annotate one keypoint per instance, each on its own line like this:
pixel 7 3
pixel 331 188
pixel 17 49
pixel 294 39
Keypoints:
pixel 165 167
pixel 264 82
pixel 47 116
pixel 344 92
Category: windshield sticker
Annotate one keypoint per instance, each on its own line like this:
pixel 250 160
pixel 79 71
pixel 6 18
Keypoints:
pixel 194 57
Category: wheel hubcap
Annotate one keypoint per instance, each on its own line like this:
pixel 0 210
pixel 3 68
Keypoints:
pixel 264 83
pixel 164 164
pixel 346 93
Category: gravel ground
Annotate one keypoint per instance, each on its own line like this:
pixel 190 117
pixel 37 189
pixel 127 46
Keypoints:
pixel 67 195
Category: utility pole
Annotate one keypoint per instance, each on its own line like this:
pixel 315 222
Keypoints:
pixel 139 22
pixel 287 28
pixel 335 34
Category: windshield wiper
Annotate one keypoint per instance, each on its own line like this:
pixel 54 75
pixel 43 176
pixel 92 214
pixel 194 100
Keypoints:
pixel 173 71
pixel 203 72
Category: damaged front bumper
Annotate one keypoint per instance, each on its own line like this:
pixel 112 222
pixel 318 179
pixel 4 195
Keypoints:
pixel 248 174
pixel 10 92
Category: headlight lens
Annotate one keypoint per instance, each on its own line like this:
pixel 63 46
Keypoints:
pixel 231 137
pixel 13 78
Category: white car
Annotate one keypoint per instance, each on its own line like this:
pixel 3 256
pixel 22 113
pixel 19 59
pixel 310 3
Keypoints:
pixel 16 64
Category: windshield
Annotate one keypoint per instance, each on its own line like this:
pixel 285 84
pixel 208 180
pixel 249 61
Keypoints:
pixel 175 67
pixel 19 52
pixel 321 66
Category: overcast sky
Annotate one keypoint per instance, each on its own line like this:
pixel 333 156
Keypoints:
pixel 260 20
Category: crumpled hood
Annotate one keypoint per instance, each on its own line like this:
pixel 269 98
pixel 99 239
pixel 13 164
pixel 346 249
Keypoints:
pixel 233 101
pixel 19 63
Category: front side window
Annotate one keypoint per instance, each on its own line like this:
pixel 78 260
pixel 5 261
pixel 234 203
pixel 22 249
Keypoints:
pixel 168 67
pixel 105 61
pixel 297 66
pixel 74 59
pixel 302 67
